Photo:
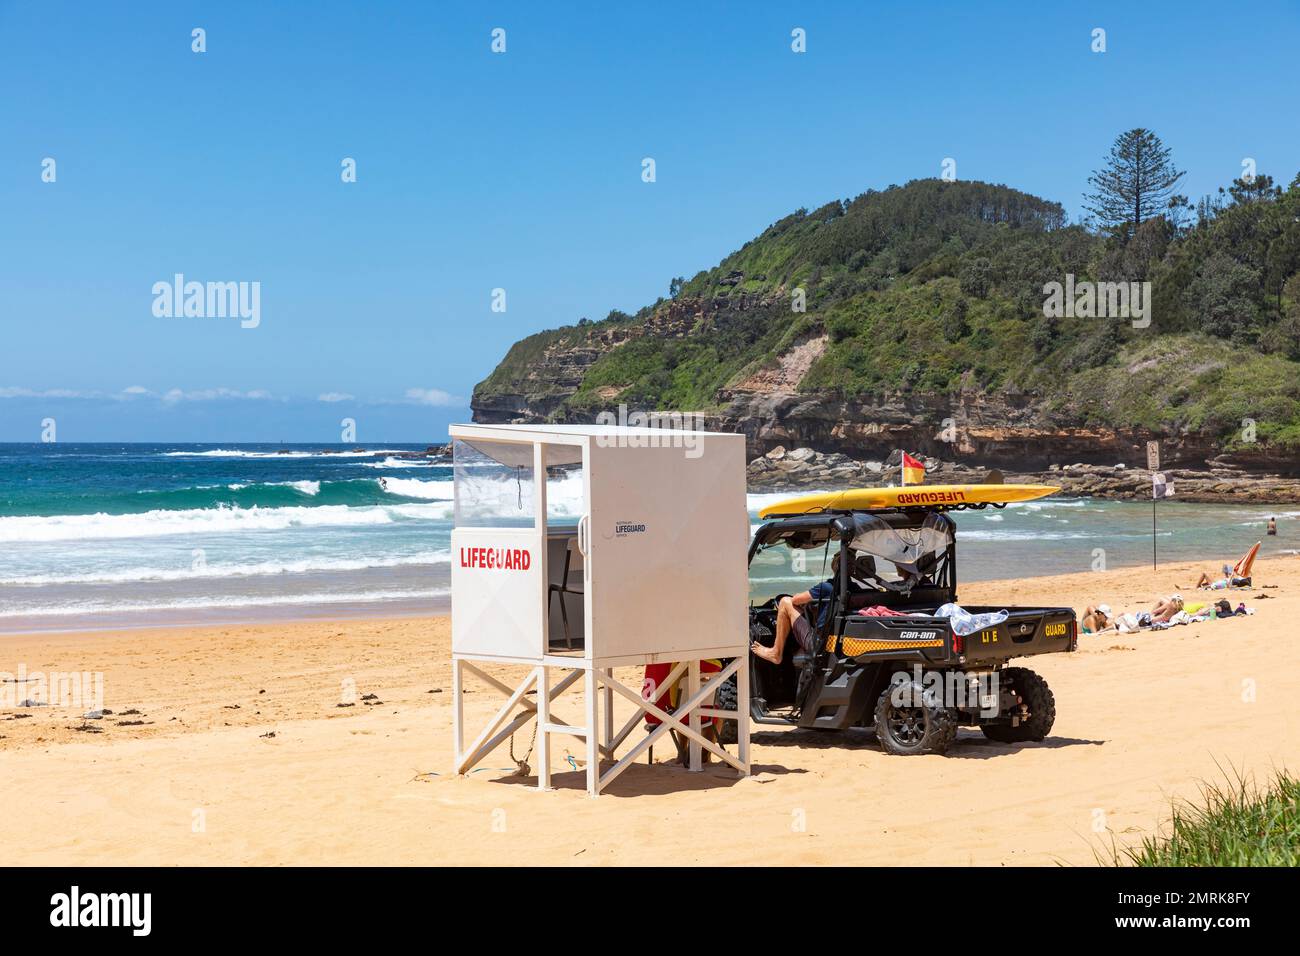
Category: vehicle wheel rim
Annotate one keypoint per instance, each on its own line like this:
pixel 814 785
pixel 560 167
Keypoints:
pixel 907 725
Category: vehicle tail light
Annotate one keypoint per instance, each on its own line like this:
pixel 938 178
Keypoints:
pixel 958 643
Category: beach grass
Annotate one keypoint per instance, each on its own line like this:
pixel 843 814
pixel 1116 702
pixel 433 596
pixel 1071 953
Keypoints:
pixel 1236 823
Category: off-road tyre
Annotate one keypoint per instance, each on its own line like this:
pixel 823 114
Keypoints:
pixel 1033 690
pixel 907 731
pixel 725 699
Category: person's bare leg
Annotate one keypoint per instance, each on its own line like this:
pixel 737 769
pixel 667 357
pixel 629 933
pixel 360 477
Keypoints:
pixel 1204 581
pixel 785 613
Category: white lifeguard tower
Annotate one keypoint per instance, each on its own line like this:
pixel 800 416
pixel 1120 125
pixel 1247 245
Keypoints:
pixel 581 548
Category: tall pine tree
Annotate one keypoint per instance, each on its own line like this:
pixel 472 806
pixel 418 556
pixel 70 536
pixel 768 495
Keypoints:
pixel 1136 183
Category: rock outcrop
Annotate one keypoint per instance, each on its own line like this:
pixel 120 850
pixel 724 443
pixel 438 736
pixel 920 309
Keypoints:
pixel 1006 430
pixel 805 469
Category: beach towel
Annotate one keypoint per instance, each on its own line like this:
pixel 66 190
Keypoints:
pixel 1127 623
pixel 879 610
pixel 1182 617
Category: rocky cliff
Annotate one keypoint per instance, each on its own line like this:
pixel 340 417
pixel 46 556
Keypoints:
pixel 913 318
pixel 1008 430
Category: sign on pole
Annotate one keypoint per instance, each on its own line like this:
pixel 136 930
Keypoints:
pixel 1153 456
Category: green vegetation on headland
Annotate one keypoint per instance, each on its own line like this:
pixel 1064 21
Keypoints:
pixel 1236 824
pixel 937 289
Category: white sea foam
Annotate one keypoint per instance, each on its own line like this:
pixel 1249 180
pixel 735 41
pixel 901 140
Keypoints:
pixel 306 487
pixel 205 603
pixel 1008 535
pixel 224 571
pixel 399 463
pixel 1051 504
pixel 151 524
pixel 236 453
pixel 442 490
pixel 494 496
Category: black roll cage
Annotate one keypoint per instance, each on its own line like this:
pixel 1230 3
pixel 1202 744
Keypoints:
pixel 839 524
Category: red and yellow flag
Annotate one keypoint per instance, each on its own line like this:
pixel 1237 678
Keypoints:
pixel 913 470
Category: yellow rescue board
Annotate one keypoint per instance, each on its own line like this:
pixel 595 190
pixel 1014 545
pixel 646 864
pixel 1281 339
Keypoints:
pixel 908 496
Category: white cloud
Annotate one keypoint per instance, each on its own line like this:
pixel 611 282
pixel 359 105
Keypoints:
pixel 13 391
pixel 214 394
pixel 432 396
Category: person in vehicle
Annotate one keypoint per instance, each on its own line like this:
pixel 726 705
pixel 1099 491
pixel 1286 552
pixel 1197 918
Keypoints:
pixel 791 619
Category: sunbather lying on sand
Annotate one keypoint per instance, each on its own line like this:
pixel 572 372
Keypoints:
pixel 1097 618
pixel 1205 582
pixel 1166 608
pixel 1234 575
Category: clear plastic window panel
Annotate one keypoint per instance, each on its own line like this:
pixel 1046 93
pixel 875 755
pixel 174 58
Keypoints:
pixel 494 483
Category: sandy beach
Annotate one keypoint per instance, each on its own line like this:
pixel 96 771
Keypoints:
pixel 228 745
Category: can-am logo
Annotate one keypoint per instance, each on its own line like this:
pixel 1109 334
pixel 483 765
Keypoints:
pixel 103 909
pixel 496 559
pixel 623 528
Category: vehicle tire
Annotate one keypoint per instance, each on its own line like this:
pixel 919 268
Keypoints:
pixel 904 731
pixel 1033 690
pixel 725 699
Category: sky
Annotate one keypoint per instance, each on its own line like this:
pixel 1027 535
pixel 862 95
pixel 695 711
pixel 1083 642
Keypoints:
pixel 518 171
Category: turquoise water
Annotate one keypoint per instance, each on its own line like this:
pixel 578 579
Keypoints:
pixel 134 535
pixel 1069 535
pixel 120 535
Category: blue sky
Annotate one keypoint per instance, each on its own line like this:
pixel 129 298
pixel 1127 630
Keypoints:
pixel 519 171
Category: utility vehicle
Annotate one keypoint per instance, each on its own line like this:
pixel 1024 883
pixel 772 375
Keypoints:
pixel 904 670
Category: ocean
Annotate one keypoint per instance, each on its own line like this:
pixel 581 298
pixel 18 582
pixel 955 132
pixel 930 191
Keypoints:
pixel 110 536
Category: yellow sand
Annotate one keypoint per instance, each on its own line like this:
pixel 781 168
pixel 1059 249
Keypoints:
pixel 1141 718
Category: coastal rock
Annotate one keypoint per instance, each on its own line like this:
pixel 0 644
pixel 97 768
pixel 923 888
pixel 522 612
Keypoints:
pixel 806 468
